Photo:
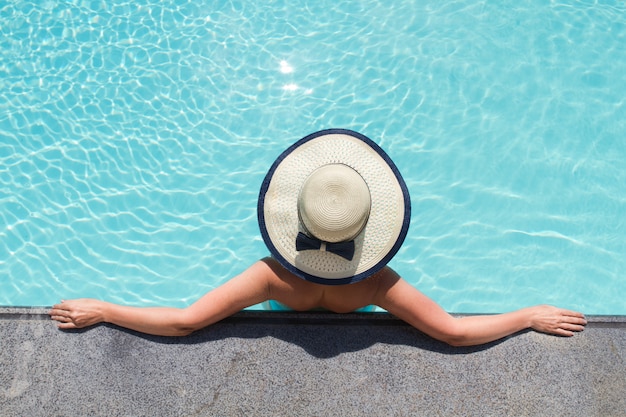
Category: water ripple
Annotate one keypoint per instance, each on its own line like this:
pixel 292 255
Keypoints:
pixel 134 137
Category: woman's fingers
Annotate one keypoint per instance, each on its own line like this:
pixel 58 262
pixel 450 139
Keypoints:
pixel 74 314
pixel 558 321
pixel 62 315
pixel 573 326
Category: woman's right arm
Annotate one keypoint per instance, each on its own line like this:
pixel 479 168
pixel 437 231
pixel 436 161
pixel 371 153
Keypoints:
pixel 407 303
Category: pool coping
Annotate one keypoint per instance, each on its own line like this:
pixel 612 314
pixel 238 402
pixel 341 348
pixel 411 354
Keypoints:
pixel 277 363
pixel 313 317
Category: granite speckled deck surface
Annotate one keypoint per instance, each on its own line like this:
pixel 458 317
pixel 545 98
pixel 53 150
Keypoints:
pixel 287 364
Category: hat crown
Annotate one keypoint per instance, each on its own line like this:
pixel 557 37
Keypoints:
pixel 334 203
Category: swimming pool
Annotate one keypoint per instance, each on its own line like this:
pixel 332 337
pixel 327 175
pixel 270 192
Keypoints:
pixel 134 137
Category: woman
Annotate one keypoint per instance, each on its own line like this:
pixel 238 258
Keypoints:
pixel 333 210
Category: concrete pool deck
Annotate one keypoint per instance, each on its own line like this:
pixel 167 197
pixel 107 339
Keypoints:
pixel 305 364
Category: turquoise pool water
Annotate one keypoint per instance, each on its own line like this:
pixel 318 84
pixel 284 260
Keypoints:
pixel 134 137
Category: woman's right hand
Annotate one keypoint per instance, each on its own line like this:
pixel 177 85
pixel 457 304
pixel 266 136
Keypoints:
pixel 558 321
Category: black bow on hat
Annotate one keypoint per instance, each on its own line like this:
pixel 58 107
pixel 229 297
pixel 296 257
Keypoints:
pixel 343 249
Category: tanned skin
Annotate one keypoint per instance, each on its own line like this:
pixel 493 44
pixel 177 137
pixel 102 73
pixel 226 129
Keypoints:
pixel 268 280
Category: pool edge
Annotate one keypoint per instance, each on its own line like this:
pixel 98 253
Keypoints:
pixel 314 363
pixel 312 317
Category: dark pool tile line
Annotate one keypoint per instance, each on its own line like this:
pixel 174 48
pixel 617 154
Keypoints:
pixel 312 318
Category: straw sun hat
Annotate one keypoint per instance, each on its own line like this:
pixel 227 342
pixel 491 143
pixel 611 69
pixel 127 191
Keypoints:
pixel 333 208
